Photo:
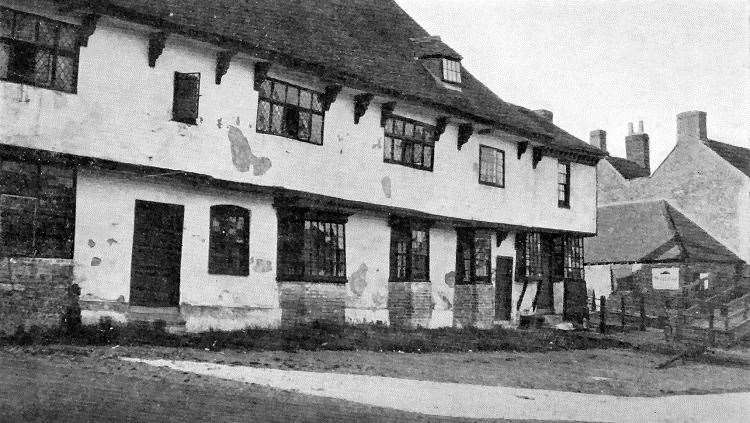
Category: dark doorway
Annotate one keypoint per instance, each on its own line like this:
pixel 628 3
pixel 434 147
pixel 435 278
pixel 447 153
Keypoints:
pixel 574 300
pixel 503 287
pixel 157 252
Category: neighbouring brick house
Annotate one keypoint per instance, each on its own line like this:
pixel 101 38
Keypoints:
pixel 223 164
pixel 685 225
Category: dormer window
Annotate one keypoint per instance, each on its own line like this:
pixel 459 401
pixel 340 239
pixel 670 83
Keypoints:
pixel 451 71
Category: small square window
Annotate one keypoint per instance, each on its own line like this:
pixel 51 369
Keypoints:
pixel 451 71
pixel 186 96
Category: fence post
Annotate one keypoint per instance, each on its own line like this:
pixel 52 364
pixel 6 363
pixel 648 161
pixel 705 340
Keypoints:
pixel 725 312
pixel 643 312
pixel 593 300
pixel 622 311
pixel 603 314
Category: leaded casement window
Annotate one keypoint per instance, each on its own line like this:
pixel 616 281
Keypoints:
pixel 228 241
pixel 451 71
pixel 410 251
pixel 529 254
pixel 38 51
pixel 563 184
pixel 37 210
pixel 491 166
pixel 573 263
pixel 409 143
pixel 473 257
pixel 290 111
pixel 311 246
pixel 187 88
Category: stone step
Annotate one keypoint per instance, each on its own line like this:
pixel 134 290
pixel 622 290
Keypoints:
pixel 173 320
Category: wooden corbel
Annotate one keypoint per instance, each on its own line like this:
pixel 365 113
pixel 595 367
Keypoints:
pixel 440 124
pixel 329 96
pixel 500 237
pixel 87 28
pixel 465 131
pixel 522 146
pixel 156 43
pixel 223 58
pixel 260 72
pixel 386 110
pixel 361 103
pixel 536 156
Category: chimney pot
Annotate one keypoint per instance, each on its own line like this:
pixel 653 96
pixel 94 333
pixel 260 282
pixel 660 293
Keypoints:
pixel 598 138
pixel 640 126
pixel 544 114
pixel 630 128
pixel 691 126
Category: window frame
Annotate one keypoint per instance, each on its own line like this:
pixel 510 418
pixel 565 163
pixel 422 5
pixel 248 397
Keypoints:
pixel 564 185
pixel 225 245
pixel 292 245
pixel 191 120
pixel 55 50
pixel 451 74
pixel 404 231
pixel 428 140
pixel 502 161
pixel 263 97
pixel 470 237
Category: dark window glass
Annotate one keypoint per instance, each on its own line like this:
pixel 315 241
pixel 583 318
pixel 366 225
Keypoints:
pixel 38 51
pixel 491 166
pixel 563 184
pixel 529 254
pixel 573 262
pixel 228 244
pixel 311 246
pixel 473 257
pixel 410 251
pixel 408 143
pixel 451 71
pixel 289 111
pixel 37 210
pixel 187 88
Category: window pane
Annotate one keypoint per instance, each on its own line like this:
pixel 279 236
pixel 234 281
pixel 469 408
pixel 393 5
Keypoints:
pixel 47 33
pixel 68 37
pixel 397 150
pixel 316 102
pixel 304 126
pixel 264 115
pixel 408 129
pixel 388 148
pixel 277 115
pixel 304 99
pixel 316 131
pixel 428 156
pixel 25 27
pixel 279 91
pixel 418 132
pixel 6 22
pixel 418 154
pixel 43 68
pixel 5 57
pixel 408 155
pixel 292 95
pixel 65 74
pixel 265 89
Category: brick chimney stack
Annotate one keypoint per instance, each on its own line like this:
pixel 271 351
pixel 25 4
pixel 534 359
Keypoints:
pixel 598 138
pixel 637 146
pixel 544 114
pixel 691 126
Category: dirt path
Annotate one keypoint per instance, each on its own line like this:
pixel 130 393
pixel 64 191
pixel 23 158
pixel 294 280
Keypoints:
pixel 476 401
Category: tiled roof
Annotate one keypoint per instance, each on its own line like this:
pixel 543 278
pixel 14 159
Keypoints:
pixel 650 231
pixel 739 157
pixel 365 43
pixel 627 168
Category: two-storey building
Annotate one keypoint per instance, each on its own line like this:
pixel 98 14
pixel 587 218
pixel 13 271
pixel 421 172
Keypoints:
pixel 226 164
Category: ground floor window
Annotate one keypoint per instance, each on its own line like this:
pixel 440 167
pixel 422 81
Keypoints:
pixel 473 257
pixel 559 255
pixel 37 209
pixel 228 243
pixel 311 246
pixel 410 251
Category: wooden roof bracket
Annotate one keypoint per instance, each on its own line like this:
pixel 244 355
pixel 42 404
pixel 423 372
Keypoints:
pixel 521 148
pixel 500 237
pixel 465 131
pixel 440 124
pixel 329 96
pixel 156 43
pixel 386 111
pixel 87 28
pixel 536 156
pixel 361 103
pixel 223 59
pixel 260 72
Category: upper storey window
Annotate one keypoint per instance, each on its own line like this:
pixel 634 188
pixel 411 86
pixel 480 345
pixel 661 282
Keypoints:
pixel 563 184
pixel 409 143
pixel 38 51
pixel 451 71
pixel 290 111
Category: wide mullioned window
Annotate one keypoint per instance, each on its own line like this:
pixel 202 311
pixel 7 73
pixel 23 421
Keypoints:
pixel 473 257
pixel 228 245
pixel 410 252
pixel 290 111
pixel 409 143
pixel 491 166
pixel 311 246
pixel 563 184
pixel 38 51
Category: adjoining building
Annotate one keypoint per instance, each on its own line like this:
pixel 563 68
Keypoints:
pixel 239 163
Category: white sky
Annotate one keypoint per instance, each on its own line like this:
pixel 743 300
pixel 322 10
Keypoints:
pixel 602 64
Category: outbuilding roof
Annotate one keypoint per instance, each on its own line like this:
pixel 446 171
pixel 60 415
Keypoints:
pixel 650 231
pixel 737 156
pixel 627 168
pixel 364 44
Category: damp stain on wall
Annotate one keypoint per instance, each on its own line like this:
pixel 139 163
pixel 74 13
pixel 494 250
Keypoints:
pixel 450 278
pixel 95 261
pixel 358 280
pixel 386 184
pixel 261 265
pixel 242 155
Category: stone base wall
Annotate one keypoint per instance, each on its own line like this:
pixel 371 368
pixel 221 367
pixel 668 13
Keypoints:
pixel 474 305
pixel 307 302
pixel 409 304
pixel 33 292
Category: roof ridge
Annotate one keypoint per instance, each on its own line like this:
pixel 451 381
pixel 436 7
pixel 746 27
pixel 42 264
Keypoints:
pixel 666 206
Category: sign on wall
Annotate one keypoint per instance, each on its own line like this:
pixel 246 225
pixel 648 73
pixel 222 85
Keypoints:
pixel 665 277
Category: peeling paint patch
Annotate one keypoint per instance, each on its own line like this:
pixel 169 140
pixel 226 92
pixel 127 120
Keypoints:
pixel 450 278
pixel 358 280
pixel 261 265
pixel 111 241
pixel 96 261
pixel 219 123
pixel 386 183
pixel 92 243
pixel 238 121
pixel 243 157
pixel 378 144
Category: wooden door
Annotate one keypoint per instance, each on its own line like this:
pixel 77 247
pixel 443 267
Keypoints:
pixel 157 252
pixel 503 287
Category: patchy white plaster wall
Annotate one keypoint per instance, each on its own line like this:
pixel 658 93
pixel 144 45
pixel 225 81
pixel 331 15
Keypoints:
pixel 368 239
pixel 122 112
